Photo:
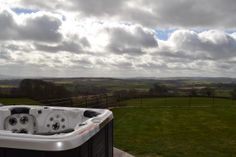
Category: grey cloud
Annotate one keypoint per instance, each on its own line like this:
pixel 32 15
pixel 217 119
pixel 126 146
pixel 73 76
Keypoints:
pixel 40 27
pixel 124 41
pixel 84 41
pixel 171 13
pixel 98 8
pixel 153 65
pixel 123 65
pixel 184 13
pixel 7 25
pixel 74 45
pixel 5 55
pixel 43 4
pixel 10 46
pixel 88 7
pixel 27 70
pixel 125 50
pixel 64 46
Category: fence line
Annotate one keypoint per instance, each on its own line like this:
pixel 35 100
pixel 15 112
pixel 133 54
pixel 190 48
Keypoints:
pixel 105 101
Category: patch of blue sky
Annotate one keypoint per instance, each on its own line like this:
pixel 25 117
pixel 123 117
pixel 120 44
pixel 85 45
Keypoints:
pixel 29 11
pixel 230 31
pixel 24 11
pixel 163 34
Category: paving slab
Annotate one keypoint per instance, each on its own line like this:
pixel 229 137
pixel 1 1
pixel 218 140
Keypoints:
pixel 120 153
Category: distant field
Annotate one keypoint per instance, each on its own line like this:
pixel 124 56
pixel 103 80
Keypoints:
pixel 179 130
pixel 127 87
pixel 7 86
pixel 223 93
pixel 18 101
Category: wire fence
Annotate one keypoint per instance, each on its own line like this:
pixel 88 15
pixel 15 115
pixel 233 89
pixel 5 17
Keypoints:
pixel 106 101
pixel 94 101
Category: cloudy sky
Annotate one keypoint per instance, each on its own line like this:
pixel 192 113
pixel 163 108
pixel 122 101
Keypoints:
pixel 118 38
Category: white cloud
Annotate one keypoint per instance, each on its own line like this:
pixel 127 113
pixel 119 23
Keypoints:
pixel 52 43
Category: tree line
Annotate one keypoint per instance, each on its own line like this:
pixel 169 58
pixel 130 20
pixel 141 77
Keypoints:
pixel 39 90
pixel 160 90
pixel 45 92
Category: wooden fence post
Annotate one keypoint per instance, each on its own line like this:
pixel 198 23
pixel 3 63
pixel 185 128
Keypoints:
pixel 106 97
pixel 86 102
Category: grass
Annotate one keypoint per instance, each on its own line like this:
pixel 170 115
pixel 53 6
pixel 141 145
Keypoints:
pixel 18 101
pixel 177 131
pixel 180 102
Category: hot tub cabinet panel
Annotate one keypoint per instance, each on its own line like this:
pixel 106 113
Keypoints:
pixel 91 137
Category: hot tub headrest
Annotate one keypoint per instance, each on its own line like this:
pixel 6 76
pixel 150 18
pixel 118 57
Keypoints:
pixel 19 110
pixel 90 114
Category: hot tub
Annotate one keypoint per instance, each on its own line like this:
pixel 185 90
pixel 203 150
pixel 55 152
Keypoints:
pixel 40 131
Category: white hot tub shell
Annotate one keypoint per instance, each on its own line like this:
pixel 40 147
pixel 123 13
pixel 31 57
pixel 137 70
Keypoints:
pixel 42 131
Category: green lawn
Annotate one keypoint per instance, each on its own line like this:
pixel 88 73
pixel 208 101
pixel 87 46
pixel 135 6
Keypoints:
pixel 180 102
pixel 18 101
pixel 180 130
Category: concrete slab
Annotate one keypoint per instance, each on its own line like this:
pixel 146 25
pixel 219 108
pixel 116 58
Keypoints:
pixel 120 153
